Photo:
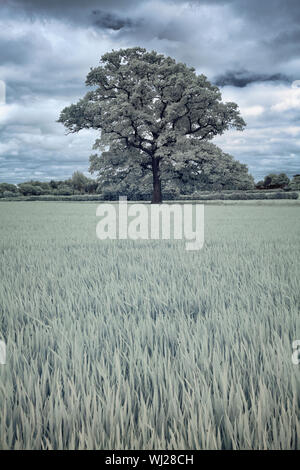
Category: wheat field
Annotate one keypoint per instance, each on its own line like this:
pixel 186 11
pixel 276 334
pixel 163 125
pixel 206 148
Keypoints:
pixel 143 345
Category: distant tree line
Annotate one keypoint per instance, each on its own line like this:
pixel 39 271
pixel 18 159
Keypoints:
pixel 77 184
pixel 279 181
pixel 186 184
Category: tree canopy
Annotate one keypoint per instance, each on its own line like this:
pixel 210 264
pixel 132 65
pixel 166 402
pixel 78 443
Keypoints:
pixel 208 169
pixel 151 109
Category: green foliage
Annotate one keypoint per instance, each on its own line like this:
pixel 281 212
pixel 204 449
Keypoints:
pixel 105 354
pixel 79 181
pixel 41 184
pixel 295 183
pixel 30 189
pixel 150 109
pixel 239 195
pixel 9 194
pixel 5 187
pixel 64 190
pixel 91 186
pixel 121 175
pixel 67 195
pixel 78 184
pixel 276 181
pixel 207 168
pixel 53 184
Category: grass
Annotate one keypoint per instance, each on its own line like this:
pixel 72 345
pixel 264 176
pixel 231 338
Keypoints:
pixel 143 345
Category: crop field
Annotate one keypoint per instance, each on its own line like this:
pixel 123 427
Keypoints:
pixel 122 344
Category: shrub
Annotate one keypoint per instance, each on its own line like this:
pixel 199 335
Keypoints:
pixel 7 194
pixel 240 195
pixel 7 187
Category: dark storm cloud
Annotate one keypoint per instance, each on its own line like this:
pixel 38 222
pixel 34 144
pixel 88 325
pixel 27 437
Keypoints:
pixel 103 19
pixel 268 35
pixel 98 13
pixel 242 78
pixel 267 13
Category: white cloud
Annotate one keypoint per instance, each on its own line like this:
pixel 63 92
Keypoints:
pixel 253 111
pixel 289 99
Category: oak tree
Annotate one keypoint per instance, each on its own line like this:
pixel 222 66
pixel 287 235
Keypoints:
pixel 151 109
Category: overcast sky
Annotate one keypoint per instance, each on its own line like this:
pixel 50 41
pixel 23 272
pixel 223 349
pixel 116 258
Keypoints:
pixel 251 49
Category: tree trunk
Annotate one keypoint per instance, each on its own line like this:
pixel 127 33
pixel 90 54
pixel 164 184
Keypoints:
pixel 156 195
